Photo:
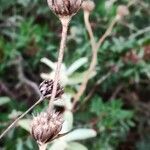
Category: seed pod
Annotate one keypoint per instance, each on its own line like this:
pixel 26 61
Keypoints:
pixel 64 7
pixel 45 127
pixel 122 11
pixel 88 5
pixel 46 88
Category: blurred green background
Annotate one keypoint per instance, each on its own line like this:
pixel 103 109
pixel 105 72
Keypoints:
pixel 119 108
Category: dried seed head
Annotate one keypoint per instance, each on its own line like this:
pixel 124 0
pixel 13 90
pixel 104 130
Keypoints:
pixel 64 7
pixel 45 127
pixel 46 88
pixel 88 5
pixel 122 11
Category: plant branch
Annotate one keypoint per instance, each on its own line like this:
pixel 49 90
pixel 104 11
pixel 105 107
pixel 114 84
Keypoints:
pixel 65 22
pixel 90 94
pixel 94 58
pixel 101 80
pixel 89 29
pixel 21 116
pixel 140 32
pixel 107 33
pixel 95 46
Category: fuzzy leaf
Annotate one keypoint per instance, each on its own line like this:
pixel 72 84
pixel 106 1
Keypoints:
pixel 80 134
pixel 76 146
pixel 25 124
pixel 4 100
pixel 76 65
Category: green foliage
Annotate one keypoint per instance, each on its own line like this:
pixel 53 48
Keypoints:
pixel 113 122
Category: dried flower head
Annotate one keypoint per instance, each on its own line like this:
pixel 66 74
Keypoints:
pixel 88 5
pixel 65 7
pixel 46 88
pixel 46 127
pixel 122 11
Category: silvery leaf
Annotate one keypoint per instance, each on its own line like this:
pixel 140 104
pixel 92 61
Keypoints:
pixel 45 76
pixel 58 144
pixel 77 78
pixel 48 62
pixel 4 100
pixel 80 134
pixel 67 125
pixel 77 64
pixel 76 146
pixel 14 114
pixel 25 124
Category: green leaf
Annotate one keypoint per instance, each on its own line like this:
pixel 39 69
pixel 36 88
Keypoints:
pixel 97 105
pixel 25 124
pixel 4 100
pixel 80 134
pixel 19 145
pixel 77 64
pixel 76 146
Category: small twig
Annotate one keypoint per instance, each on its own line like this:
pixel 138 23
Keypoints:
pixel 87 98
pixel 22 78
pixel 140 32
pixel 132 28
pixel 107 33
pixel 89 29
pixel 117 90
pixel 100 81
pixel 14 123
pixel 65 22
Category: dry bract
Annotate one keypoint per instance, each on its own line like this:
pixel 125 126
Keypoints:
pixel 65 7
pixel 45 127
pixel 88 5
pixel 46 88
pixel 122 11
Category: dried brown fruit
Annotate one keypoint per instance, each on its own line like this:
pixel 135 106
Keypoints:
pixel 46 88
pixel 46 126
pixel 64 7
pixel 88 5
pixel 122 11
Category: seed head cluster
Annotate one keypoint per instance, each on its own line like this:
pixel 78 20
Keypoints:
pixel 45 127
pixel 65 7
pixel 46 88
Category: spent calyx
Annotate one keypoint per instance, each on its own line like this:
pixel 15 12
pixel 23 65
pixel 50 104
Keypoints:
pixel 88 5
pixel 122 11
pixel 46 88
pixel 46 126
pixel 64 7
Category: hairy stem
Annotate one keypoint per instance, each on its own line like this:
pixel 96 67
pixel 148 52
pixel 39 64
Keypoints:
pixel 65 22
pixel 21 116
